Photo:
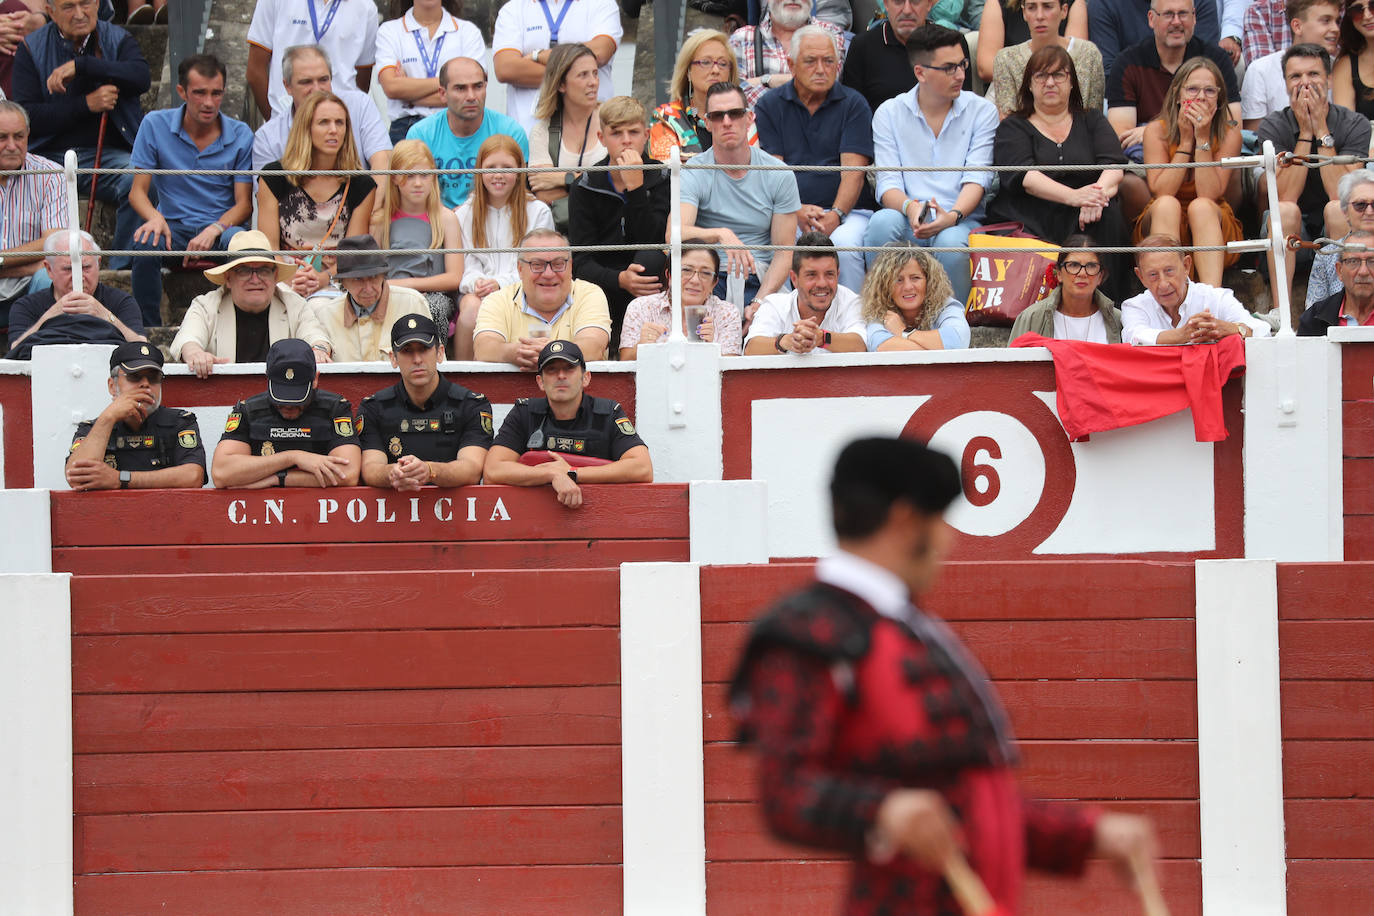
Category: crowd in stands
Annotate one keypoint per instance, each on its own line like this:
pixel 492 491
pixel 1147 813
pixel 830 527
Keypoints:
pixel 952 85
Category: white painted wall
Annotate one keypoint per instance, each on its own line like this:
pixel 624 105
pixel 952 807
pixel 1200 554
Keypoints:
pixel 28 548
pixel 728 520
pixel 678 409
pixel 1240 748
pixel 663 779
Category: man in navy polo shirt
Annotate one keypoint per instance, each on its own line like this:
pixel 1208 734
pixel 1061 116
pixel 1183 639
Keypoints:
pixel 813 120
pixel 1115 26
pixel 194 212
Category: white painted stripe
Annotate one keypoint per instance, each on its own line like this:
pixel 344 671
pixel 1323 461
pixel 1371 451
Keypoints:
pixel 663 781
pixel 1240 751
pixel 728 521
pixel 28 549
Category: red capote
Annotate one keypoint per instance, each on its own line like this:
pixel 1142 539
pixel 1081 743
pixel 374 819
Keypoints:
pixel 1108 386
pixel 540 456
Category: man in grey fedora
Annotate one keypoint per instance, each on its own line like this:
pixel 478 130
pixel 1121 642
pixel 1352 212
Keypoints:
pixel 359 322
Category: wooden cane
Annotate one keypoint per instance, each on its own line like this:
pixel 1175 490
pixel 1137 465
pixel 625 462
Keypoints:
pixel 99 151
pixel 1147 885
pixel 969 889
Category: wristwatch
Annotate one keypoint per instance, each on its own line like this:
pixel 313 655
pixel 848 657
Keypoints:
pixel 1327 141
pixel 958 215
pixel 1205 147
pixel 572 475
pixel 124 478
pixel 281 478
pixel 777 342
pixel 825 340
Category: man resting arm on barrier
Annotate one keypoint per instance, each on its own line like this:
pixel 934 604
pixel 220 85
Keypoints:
pixel 1175 310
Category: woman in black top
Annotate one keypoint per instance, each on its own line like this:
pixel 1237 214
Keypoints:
pixel 1352 78
pixel 1002 25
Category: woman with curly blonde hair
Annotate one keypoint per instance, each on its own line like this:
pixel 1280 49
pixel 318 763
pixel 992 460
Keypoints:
pixel 908 303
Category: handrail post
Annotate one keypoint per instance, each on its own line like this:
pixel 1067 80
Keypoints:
pixel 1278 247
pixel 69 164
pixel 675 242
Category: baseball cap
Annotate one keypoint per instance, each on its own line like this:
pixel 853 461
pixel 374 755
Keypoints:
pixel 134 355
pixel 410 328
pixel 290 372
pixel 565 350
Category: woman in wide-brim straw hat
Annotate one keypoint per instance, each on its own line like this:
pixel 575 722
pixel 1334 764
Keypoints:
pixel 252 309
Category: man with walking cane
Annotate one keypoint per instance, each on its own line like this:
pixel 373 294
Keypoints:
pixel 880 735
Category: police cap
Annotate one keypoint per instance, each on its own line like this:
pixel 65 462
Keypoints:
pixel 134 355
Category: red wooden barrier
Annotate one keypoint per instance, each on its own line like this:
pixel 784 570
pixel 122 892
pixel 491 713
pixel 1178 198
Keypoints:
pixel 1357 417
pixel 1095 662
pixel 17 402
pixel 1326 643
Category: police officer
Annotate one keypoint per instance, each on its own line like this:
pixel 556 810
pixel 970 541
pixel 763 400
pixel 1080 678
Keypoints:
pixel 424 429
pixel 294 435
pixel 136 442
pixel 587 439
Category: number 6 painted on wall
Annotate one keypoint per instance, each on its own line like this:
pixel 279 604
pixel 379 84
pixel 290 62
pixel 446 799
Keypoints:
pixel 971 471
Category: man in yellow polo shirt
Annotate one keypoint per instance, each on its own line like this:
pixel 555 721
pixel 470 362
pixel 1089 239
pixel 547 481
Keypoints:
pixel 515 322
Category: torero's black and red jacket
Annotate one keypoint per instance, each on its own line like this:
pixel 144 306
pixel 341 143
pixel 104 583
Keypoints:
pixel 845 705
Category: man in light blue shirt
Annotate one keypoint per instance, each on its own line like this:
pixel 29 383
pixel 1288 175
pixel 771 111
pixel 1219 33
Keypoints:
pixel 936 123
pixel 455 134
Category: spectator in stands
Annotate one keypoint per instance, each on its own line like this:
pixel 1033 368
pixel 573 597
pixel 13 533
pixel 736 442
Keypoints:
pixel 32 207
pixel 648 317
pixel 1044 18
pixel 1174 309
pixel 1114 27
pixel 567 422
pixel 1191 204
pixel 907 303
pixel 1265 30
pixel 253 309
pixel 194 212
pixel 80 81
pixel 136 443
pixel 410 51
pixel 293 434
pixel 411 215
pixel 1005 25
pixel 99 314
pixel 1140 78
pixel 764 51
pixel 455 134
pixel 1263 91
pixel 424 429
pixel 705 59
pixel 305 70
pixel 935 123
pixel 1352 304
pixel 818 314
pixel 547 302
pixel 814 120
pixel 18 18
pixel 878 66
pixel 345 30
pixel 736 209
pixel 303 211
pixel 359 322
pixel 1050 127
pixel 566 131
pixel 1076 309
pixel 498 213
pixel 1356 200
pixel 625 207
pixel 1310 124
pixel 1352 75
pixel 526 31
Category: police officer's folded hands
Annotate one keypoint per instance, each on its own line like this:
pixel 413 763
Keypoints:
pixel 329 470
pixel 409 473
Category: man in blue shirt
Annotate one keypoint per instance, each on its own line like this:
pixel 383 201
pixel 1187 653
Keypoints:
pixel 935 124
pixel 195 212
pixel 814 120
pixel 455 134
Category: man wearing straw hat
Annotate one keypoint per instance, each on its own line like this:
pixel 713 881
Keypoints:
pixel 875 725
pixel 252 309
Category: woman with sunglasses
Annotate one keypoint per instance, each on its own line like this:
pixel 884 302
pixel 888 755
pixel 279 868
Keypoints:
pixel 1076 309
pixel 1355 195
pixel 1049 128
pixel 705 59
pixel 1352 77
pixel 1194 127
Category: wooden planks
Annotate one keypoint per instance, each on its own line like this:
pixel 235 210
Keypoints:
pixel 1357 465
pixel 17 403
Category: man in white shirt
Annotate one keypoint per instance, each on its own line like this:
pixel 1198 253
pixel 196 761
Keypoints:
pixel 525 30
pixel 1263 91
pixel 306 69
pixel 411 51
pixel 819 313
pixel 345 29
pixel 1175 310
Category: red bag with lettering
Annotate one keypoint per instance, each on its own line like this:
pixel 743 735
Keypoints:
pixel 1006 283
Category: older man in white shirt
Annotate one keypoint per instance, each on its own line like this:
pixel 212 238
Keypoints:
pixel 1174 309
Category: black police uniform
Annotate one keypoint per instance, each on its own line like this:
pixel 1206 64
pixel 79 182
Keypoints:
pixel 168 438
pixel 452 419
pixel 322 427
pixel 601 429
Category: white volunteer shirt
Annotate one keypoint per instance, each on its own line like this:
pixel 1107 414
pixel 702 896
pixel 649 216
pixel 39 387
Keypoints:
pixel 778 313
pixel 350 41
pixel 397 47
pixel 522 27
pixel 1143 319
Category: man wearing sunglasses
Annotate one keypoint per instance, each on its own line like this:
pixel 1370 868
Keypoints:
pixel 515 322
pixel 1352 306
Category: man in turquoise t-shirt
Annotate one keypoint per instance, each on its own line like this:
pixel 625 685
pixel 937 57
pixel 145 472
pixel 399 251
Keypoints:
pixel 454 135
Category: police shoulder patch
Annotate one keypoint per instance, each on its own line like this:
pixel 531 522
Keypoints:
pixel 187 438
pixel 343 426
pixel 625 426
pixel 361 418
pixel 233 422
pixel 75 444
pixel 486 422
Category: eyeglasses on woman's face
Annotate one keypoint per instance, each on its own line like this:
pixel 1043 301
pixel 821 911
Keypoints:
pixel 1206 92
pixel 1052 76
pixel 1091 268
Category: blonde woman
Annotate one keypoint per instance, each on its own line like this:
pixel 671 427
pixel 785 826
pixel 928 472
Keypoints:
pixel 307 212
pixel 705 59
pixel 908 303
pixel 566 131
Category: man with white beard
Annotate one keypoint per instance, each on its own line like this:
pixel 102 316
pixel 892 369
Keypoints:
pixel 763 50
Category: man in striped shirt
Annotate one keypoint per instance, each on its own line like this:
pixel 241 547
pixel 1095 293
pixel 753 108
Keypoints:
pixel 32 207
